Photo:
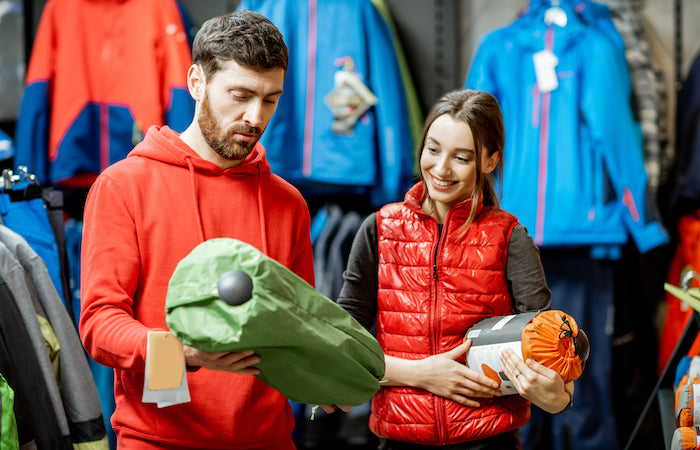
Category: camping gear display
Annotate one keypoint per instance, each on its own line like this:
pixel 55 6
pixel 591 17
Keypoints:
pixel 686 405
pixel 227 296
pixel 551 338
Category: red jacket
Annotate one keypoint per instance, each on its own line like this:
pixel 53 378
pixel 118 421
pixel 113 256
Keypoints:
pixel 101 73
pixel 143 215
pixel 427 303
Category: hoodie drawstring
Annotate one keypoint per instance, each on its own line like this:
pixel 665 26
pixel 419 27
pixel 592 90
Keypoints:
pixel 197 214
pixel 261 214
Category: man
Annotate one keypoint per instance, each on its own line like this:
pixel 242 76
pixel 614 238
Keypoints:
pixel 147 212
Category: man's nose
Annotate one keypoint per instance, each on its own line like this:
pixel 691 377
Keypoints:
pixel 253 114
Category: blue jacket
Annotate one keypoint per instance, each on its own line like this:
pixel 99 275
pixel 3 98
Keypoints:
pixel 573 168
pixel 376 156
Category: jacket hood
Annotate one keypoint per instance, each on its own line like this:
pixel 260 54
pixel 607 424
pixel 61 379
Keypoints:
pixel 165 145
pixel 531 30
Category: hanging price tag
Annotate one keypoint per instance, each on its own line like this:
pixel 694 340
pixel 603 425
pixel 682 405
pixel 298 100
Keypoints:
pixel 556 16
pixel 545 64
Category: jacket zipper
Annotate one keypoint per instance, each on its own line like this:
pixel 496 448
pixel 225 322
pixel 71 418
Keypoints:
pixel 543 151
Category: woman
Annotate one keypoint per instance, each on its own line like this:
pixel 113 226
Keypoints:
pixel 425 270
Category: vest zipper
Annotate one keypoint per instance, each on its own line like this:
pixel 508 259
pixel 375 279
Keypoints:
pixel 440 406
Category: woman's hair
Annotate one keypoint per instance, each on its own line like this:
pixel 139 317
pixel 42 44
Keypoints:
pixel 246 37
pixel 482 113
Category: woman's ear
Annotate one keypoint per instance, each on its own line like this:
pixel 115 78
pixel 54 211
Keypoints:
pixel 196 82
pixel 489 163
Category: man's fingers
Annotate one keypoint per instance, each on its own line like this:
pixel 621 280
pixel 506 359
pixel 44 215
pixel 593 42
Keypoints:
pixel 328 408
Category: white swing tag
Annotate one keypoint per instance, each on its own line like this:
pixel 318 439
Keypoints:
pixel 545 64
pixel 556 16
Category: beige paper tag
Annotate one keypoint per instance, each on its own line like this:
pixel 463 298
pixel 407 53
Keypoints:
pixel 166 361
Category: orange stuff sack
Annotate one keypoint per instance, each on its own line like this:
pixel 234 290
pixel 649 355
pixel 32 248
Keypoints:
pixel 685 438
pixel 684 401
pixel 548 340
pixel 551 338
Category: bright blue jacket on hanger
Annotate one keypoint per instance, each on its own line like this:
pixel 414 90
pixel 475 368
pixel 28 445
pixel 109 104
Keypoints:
pixel 372 155
pixel 573 168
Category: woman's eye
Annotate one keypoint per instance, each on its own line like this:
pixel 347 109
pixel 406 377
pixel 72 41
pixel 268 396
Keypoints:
pixel 432 150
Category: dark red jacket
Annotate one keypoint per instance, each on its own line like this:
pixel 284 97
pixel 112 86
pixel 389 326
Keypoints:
pixel 430 292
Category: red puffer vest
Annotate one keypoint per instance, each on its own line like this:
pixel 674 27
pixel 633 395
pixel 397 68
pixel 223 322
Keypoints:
pixel 427 303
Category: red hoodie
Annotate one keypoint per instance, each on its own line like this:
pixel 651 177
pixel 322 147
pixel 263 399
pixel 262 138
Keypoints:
pixel 143 215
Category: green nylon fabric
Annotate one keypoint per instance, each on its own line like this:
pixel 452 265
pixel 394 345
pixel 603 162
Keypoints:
pixel 9 438
pixel 311 350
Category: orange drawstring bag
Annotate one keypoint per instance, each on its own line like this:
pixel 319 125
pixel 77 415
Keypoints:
pixel 551 338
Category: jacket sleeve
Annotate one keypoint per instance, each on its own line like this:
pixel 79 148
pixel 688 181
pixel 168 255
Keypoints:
pixel 618 137
pixel 394 143
pixel 480 76
pixel 109 277
pixel 33 121
pixel 176 55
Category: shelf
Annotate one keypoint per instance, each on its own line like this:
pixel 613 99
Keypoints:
pixel 657 421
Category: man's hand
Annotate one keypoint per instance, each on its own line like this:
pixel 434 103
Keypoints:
pixel 330 408
pixel 236 362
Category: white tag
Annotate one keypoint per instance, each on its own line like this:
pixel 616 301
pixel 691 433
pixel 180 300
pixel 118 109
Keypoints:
pixel 545 62
pixel 556 16
pixel 502 323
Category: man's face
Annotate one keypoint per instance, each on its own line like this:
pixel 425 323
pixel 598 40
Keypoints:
pixel 237 105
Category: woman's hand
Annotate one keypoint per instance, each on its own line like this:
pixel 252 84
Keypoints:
pixel 442 375
pixel 236 362
pixel 539 384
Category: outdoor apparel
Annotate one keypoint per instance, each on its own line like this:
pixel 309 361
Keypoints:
pixel 574 171
pixel 143 216
pixel 79 398
pixel 430 293
pixel 30 218
pixel 8 425
pixel 100 74
pixel 311 350
pixel 315 140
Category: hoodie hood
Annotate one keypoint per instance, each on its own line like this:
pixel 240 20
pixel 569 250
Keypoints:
pixel 165 145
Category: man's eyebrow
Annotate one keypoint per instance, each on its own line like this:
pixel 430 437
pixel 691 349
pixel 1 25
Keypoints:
pixel 252 91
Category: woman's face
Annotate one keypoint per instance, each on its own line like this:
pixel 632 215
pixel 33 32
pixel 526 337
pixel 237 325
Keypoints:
pixel 448 163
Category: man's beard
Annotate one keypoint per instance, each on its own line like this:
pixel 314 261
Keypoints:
pixel 222 142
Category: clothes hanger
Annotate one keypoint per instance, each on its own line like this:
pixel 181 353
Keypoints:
pixel 20 186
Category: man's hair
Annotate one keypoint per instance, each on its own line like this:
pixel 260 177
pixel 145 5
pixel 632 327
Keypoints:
pixel 246 37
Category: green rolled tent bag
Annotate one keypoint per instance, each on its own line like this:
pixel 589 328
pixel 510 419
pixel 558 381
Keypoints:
pixel 311 350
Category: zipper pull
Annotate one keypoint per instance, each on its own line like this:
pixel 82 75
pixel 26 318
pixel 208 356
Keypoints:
pixel 435 272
